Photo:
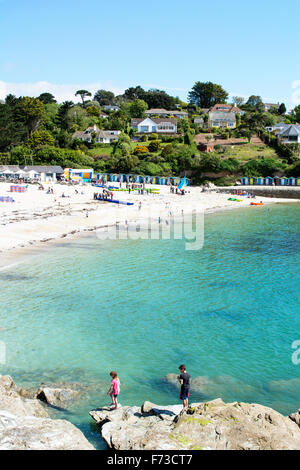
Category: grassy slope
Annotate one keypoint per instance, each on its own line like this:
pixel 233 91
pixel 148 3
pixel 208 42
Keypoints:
pixel 250 151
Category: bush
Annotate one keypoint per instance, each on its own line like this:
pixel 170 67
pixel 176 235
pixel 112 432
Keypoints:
pixel 262 167
pixel 140 149
pixel 154 146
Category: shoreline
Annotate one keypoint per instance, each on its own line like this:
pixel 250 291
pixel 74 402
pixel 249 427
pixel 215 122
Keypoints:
pixel 38 225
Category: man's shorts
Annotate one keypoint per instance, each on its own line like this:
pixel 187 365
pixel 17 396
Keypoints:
pixel 184 394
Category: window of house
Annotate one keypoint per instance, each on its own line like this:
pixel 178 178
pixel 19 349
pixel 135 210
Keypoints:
pixel 144 128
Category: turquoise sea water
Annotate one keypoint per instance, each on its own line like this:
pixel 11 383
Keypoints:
pixel 230 312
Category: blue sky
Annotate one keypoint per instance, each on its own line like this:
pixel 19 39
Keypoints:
pixel 249 47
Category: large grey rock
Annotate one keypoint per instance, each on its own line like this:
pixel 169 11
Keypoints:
pixel 12 401
pixel 25 424
pixel 210 425
pixel 30 433
pixel 295 417
pixel 57 396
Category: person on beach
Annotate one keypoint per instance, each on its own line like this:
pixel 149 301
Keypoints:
pixel 114 389
pixel 184 379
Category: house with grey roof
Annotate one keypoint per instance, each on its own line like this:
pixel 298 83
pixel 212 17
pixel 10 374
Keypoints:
pixel 161 112
pixel 222 119
pixel 156 125
pixel 269 106
pixel 94 134
pixel 36 172
pixel 277 128
pixel 290 135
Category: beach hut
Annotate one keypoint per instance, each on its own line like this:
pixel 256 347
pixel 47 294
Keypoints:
pixel 276 180
pixel 8 173
pixel 268 181
pixel 283 181
pixel 34 175
pixel 21 173
pixel 260 181
pixel 245 181
pixel 252 180
pixel 292 181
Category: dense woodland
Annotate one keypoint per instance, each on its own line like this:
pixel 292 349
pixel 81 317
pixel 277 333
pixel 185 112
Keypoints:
pixel 37 131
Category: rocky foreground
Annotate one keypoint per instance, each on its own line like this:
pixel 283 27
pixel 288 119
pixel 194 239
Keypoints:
pixel 25 424
pixel 204 426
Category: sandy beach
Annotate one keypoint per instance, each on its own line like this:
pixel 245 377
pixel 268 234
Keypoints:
pixel 36 217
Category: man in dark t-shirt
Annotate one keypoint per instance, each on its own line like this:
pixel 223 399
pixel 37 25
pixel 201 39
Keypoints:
pixel 184 380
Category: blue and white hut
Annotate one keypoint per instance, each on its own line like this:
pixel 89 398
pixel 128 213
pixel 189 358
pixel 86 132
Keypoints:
pixel 268 181
pixel 284 181
pixel 260 181
pixel 292 181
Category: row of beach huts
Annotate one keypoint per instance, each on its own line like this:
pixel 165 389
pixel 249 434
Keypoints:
pixel 56 173
pixel 131 178
pixel 270 181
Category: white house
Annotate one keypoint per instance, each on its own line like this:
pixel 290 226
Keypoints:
pixel 41 173
pixel 111 107
pixel 269 106
pixel 105 137
pixel 159 126
pixel 277 128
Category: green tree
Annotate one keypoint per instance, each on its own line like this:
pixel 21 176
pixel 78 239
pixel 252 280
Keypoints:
pixel 210 162
pixel 282 109
pixel 12 131
pixel 62 115
pixel 93 111
pixel 255 104
pixel 104 97
pixel 47 98
pixel 134 93
pixel 40 138
pixel 21 155
pixel 137 108
pixel 188 139
pixel 30 111
pixel 207 94
pixel 183 125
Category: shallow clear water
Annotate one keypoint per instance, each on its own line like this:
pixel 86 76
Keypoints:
pixel 229 311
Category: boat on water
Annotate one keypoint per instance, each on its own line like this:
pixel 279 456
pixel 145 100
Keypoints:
pixel 256 203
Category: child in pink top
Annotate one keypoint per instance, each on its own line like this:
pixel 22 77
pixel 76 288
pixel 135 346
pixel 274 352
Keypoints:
pixel 114 390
